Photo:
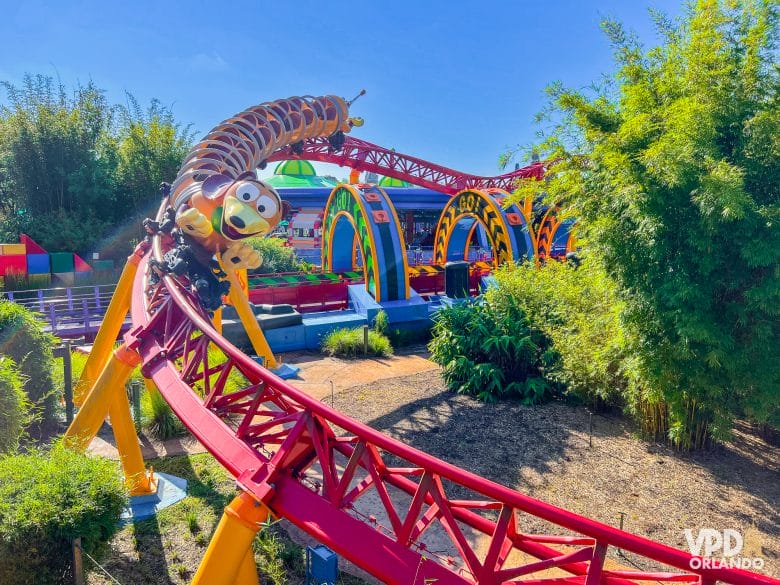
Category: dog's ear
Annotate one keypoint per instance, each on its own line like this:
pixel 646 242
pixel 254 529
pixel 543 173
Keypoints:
pixel 286 208
pixel 213 185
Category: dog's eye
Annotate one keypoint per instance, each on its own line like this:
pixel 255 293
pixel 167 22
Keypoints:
pixel 247 192
pixel 267 206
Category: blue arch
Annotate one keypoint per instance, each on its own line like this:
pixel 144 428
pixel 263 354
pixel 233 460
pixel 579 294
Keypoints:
pixel 366 213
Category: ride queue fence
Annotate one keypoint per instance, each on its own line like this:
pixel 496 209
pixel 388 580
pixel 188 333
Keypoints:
pixel 69 311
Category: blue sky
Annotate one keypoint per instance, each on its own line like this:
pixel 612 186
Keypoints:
pixel 455 83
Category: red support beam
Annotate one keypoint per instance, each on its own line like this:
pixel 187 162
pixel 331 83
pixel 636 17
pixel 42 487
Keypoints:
pixel 365 156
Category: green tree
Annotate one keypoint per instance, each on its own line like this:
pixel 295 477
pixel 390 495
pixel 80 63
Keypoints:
pixel 674 168
pixel 277 257
pixel 74 166
pixel 150 148
pixel 52 165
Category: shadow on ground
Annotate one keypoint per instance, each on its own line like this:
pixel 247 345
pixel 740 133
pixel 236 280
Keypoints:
pixel 547 452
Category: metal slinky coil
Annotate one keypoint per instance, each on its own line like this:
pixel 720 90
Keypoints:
pixel 241 143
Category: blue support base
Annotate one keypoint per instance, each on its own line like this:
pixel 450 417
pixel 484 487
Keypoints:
pixel 170 490
pixel 287 371
pixel 318 325
pixel 487 282
pixel 411 309
pixel 449 302
pixel 286 338
pixel 362 301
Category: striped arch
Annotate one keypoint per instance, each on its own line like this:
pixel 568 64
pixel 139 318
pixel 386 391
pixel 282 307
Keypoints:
pixel 555 236
pixel 365 213
pixel 563 238
pixel 508 231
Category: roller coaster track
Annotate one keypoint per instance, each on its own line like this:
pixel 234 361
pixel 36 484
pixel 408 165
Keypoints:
pixel 365 156
pixel 376 501
pixel 402 515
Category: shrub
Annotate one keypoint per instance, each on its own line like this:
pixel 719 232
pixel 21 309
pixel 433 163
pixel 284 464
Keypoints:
pixel 488 349
pixel 14 407
pixel 381 322
pixel 23 339
pixel 47 500
pixel 578 310
pixel 672 165
pixel 276 256
pixel 349 343
pixel 158 417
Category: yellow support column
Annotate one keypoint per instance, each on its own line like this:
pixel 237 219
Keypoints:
pixel 247 573
pixel 108 397
pixel 216 320
pixel 241 302
pixel 110 328
pixel 97 402
pixel 136 478
pixel 228 557
pixel 149 384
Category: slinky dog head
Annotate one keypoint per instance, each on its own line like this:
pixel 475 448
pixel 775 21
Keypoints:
pixel 239 208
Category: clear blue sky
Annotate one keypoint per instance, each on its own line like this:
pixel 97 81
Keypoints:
pixel 452 82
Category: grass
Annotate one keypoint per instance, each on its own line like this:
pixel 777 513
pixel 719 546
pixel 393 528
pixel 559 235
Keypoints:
pixel 158 417
pixel 348 343
pixel 169 547
pixel 192 522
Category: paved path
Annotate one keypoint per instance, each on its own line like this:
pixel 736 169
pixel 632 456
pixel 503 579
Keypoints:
pixel 318 372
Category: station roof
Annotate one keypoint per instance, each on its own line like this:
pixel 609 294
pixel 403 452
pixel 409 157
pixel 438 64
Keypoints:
pixel 298 174
pixel 392 182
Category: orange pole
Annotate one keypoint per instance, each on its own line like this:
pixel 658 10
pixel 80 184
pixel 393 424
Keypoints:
pixel 226 560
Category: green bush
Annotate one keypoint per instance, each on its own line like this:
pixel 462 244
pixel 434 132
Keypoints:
pixel 488 349
pixel 276 256
pixel 672 166
pixel 14 407
pixel 578 310
pixel 23 339
pixel 349 343
pixel 158 417
pixel 47 500
pixel 381 322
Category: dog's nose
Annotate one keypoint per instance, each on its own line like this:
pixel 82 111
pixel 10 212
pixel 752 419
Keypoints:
pixel 237 221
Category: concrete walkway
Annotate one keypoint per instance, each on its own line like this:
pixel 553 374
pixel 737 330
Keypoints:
pixel 319 374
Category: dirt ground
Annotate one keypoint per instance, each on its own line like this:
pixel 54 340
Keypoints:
pixel 548 453
pixel 545 452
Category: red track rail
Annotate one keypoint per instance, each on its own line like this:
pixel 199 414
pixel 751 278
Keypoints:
pixel 365 156
pixel 374 500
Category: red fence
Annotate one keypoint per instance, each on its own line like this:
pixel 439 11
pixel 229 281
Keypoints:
pixel 309 297
pixel 306 298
